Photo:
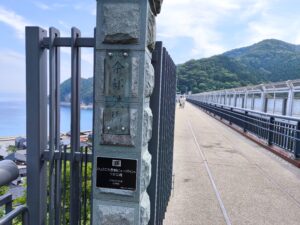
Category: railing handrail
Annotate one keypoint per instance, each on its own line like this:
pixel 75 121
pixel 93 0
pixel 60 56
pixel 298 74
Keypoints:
pixel 20 210
pixel 254 111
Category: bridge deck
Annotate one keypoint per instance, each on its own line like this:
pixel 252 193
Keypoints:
pixel 222 177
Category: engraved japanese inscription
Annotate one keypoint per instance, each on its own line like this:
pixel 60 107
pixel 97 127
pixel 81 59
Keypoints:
pixel 118 90
pixel 117 74
pixel 116 173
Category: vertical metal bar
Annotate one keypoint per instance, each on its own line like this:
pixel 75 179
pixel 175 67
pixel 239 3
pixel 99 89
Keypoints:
pixel 94 117
pixel 57 137
pixel 260 122
pixel 64 191
pixel 8 207
pixel 36 123
pixel 75 128
pixel 297 141
pixel 290 140
pixel 85 187
pixel 25 218
pixel 270 131
pixel 286 134
pixel 279 133
pixel 230 116
pixel 80 184
pixel 53 125
pixel 275 133
pixel 245 121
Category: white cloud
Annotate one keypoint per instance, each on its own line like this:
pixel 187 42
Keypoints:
pixel 269 25
pixel 14 20
pixel 42 6
pixel 202 21
pixel 51 6
pixel 196 19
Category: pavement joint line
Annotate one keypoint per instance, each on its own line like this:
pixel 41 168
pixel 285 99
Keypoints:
pixel 221 204
pixel 264 173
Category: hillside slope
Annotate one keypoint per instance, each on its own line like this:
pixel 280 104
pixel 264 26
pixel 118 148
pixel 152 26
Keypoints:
pixel 86 91
pixel 267 61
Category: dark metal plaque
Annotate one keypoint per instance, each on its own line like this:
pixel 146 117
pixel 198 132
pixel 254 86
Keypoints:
pixel 116 173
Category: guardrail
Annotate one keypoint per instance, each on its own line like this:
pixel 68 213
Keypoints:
pixel 8 173
pixel 281 131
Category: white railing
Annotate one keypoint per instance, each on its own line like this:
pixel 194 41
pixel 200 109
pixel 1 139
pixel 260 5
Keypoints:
pixel 282 98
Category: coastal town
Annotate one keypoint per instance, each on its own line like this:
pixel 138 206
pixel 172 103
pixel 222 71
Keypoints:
pixel 15 149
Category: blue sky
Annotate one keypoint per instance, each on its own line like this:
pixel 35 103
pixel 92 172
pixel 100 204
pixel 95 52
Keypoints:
pixel 188 28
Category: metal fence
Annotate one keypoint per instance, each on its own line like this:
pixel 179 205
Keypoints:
pixel 281 131
pixel 161 145
pixel 57 182
pixel 58 178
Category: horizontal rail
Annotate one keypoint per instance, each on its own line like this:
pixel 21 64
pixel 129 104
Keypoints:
pixel 256 112
pixel 20 210
pixel 57 155
pixel 5 199
pixel 67 42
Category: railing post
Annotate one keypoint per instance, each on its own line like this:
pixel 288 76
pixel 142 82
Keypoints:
pixel 221 117
pixel 8 206
pixel 230 116
pixel 270 131
pixel 297 141
pixel 245 122
pixel 75 129
pixel 36 110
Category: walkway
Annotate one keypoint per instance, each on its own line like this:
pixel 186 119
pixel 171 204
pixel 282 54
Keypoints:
pixel 223 178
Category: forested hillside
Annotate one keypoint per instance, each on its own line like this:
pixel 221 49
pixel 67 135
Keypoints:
pixel 267 61
pixel 86 91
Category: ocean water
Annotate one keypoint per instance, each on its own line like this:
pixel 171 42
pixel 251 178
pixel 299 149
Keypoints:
pixel 13 116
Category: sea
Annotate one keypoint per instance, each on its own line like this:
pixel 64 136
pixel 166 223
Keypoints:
pixel 13 116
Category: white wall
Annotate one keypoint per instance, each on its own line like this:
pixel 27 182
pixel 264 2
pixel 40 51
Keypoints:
pixel 296 107
pixel 278 106
pixel 257 104
pixel 270 105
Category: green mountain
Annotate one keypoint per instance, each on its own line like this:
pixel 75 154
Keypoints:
pixel 86 91
pixel 267 61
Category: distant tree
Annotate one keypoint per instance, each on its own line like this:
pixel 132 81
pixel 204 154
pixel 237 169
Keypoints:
pixel 11 149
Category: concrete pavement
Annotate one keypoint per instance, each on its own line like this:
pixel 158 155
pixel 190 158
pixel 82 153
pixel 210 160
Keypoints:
pixel 222 177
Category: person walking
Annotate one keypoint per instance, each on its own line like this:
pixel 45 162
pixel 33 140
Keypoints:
pixel 181 102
